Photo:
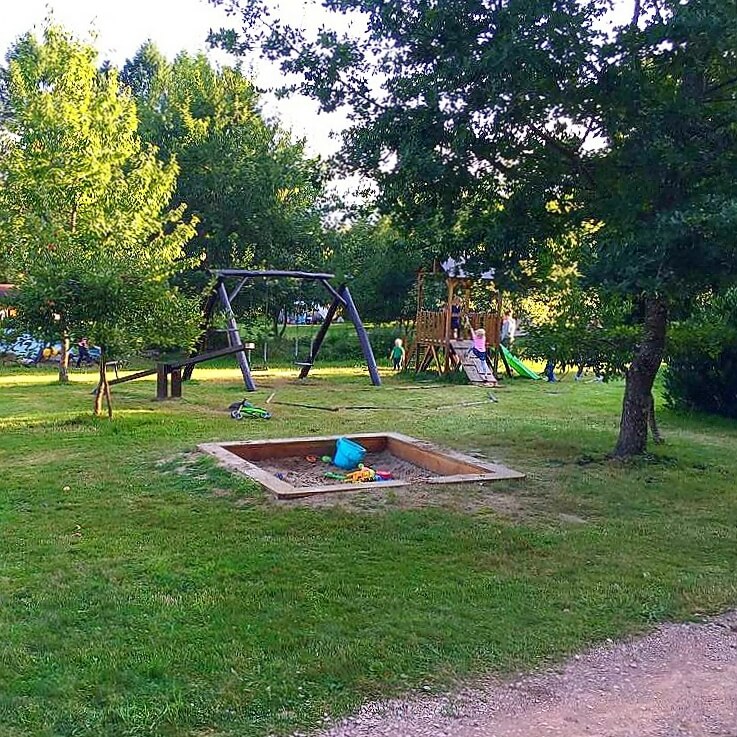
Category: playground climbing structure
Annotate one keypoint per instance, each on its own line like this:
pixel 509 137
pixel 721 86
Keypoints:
pixel 435 343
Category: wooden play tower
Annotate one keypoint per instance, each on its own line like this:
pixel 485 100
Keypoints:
pixel 434 342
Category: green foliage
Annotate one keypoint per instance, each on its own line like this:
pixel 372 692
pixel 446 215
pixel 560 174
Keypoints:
pixel 83 206
pixel 339 346
pixel 702 358
pixel 503 127
pixel 575 328
pixel 383 266
pixel 254 190
pixel 161 596
pixel 343 345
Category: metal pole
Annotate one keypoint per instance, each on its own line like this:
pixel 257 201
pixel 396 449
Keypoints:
pixel 234 338
pixel 363 338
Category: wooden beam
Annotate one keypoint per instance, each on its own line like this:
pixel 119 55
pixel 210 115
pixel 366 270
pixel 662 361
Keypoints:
pixel 333 291
pixel 229 351
pixel 235 292
pixel 426 360
pixel 205 327
pixel 133 377
pixel 162 382
pixel 271 273
pixel 176 382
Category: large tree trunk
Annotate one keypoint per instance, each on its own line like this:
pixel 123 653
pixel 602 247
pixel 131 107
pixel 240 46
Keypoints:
pixel 637 404
pixel 64 359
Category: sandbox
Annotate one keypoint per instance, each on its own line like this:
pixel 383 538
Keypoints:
pixel 410 461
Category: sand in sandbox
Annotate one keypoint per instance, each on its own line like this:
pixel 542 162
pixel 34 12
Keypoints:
pixel 295 470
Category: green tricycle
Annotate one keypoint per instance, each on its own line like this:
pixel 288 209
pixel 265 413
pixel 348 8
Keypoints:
pixel 239 410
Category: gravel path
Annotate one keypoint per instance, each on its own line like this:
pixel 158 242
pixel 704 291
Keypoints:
pixel 680 680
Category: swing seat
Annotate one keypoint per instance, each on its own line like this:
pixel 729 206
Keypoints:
pixel 303 363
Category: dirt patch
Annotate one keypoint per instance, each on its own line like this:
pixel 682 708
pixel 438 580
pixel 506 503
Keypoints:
pixel 300 472
pixel 221 493
pixel 679 681
pixel 371 496
pixel 181 463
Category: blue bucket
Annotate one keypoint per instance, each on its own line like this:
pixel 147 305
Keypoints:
pixel 348 454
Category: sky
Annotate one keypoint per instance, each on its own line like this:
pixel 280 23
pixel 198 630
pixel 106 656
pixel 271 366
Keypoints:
pixel 121 26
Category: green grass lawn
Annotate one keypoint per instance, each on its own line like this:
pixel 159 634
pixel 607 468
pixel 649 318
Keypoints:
pixel 160 595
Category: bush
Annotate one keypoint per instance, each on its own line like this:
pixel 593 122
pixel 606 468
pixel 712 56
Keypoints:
pixel 702 359
pixel 343 345
pixel 340 345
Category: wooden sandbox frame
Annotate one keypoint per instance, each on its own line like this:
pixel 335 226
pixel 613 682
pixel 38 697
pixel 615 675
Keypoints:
pixel 450 466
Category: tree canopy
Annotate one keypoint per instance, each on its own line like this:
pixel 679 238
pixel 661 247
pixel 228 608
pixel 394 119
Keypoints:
pixel 382 265
pixel 84 204
pixel 255 191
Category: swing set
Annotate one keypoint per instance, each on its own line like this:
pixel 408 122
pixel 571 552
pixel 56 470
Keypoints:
pixel 229 283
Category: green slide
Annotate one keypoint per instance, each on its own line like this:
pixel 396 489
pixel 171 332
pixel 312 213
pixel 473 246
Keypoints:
pixel 518 366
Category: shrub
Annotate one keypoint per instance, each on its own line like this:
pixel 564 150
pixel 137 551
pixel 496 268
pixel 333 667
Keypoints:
pixel 340 345
pixel 702 359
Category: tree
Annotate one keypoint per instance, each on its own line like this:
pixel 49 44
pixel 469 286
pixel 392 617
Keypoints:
pixel 382 265
pixel 510 127
pixel 254 190
pixel 84 206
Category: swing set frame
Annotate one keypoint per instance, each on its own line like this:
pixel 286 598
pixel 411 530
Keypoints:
pixel 227 286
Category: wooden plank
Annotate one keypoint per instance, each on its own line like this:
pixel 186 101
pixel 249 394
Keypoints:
pixel 427 359
pixel 133 377
pixel 437 359
pixel 467 359
pixel 363 339
pixel 205 329
pixel 304 491
pixel 317 342
pixel 234 337
pixel 494 471
pixel 259 450
pixel 333 291
pixel 228 459
pixel 269 273
pixel 431 458
pixel 471 478
pixel 228 351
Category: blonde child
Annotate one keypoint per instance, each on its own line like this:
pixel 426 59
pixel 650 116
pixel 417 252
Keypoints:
pixel 397 355
pixel 479 352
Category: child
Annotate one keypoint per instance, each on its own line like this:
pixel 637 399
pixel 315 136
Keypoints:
pixel 479 351
pixel 455 318
pixel 397 355
pixel 509 329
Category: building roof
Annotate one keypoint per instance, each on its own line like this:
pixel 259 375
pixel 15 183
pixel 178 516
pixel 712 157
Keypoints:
pixel 6 289
pixel 454 268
